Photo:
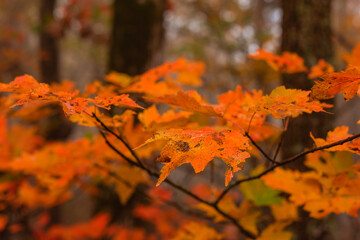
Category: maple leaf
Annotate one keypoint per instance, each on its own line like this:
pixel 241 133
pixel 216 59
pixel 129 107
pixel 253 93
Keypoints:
pixel 76 108
pixel 284 102
pixel 199 147
pixel 259 193
pixel 330 187
pixel 119 79
pixel 189 73
pixel 98 225
pixel 276 231
pixel 239 108
pixel 286 211
pixel 338 134
pixel 286 63
pixel 346 82
pixel 197 231
pixel 190 101
pixel 354 57
pixel 152 120
pixel 320 69
pixel 246 214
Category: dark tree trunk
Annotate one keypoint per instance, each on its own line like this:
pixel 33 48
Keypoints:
pixel 136 42
pixel 56 127
pixel 306 30
pixel 137 34
pixel 49 53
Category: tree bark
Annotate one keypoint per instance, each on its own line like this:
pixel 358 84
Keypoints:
pixel 306 30
pixel 49 53
pixel 136 42
pixel 137 34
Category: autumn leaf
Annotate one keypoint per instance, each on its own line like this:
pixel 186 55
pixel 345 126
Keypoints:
pixel 257 192
pixel 286 211
pixel 353 59
pixel 75 107
pixel 320 69
pixel 338 134
pixel 240 109
pixel 199 147
pixel 322 191
pixel 346 82
pixel 190 101
pixel 152 120
pixel 120 79
pixel 282 103
pixel 246 214
pixel 286 63
pixel 197 231
pixel 3 221
pixel 188 73
pixel 276 231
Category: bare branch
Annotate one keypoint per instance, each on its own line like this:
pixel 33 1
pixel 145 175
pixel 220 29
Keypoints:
pixel 120 138
pixel 260 149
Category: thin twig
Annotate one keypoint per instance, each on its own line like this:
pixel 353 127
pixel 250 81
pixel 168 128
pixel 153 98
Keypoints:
pixel 259 148
pixel 287 161
pixel 120 138
pixel 282 136
pixel 252 116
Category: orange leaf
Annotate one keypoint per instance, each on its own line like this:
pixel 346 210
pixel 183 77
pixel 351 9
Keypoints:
pixel 284 102
pixel 189 73
pixel 199 147
pixel 320 69
pixel 286 63
pixel 152 120
pixel 346 82
pixel 354 57
pixel 190 101
pixel 197 231
pixel 338 134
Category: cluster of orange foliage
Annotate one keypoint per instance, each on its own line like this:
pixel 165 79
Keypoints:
pixel 37 175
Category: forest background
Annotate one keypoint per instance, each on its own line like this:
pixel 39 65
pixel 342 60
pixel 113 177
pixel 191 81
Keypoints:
pixel 84 40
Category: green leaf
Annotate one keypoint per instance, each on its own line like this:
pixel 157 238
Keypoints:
pixel 260 194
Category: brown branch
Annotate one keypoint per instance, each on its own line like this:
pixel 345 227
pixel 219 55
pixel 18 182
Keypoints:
pixel 285 125
pixel 120 138
pixel 171 183
pixel 287 161
pixel 259 148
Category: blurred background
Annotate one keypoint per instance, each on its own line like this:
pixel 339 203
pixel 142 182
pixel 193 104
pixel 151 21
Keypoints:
pixel 83 40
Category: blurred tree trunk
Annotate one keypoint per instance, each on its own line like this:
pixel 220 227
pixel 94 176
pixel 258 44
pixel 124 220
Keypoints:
pixel 306 30
pixel 137 34
pixel 56 127
pixel 136 43
pixel 49 52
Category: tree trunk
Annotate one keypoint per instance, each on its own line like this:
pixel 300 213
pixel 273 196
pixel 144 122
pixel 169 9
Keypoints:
pixel 306 30
pixel 49 53
pixel 137 34
pixel 136 42
pixel 306 27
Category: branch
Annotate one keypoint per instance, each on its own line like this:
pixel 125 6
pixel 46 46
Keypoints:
pixel 287 161
pixel 120 138
pixel 260 149
pixel 171 183
pixel 281 139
